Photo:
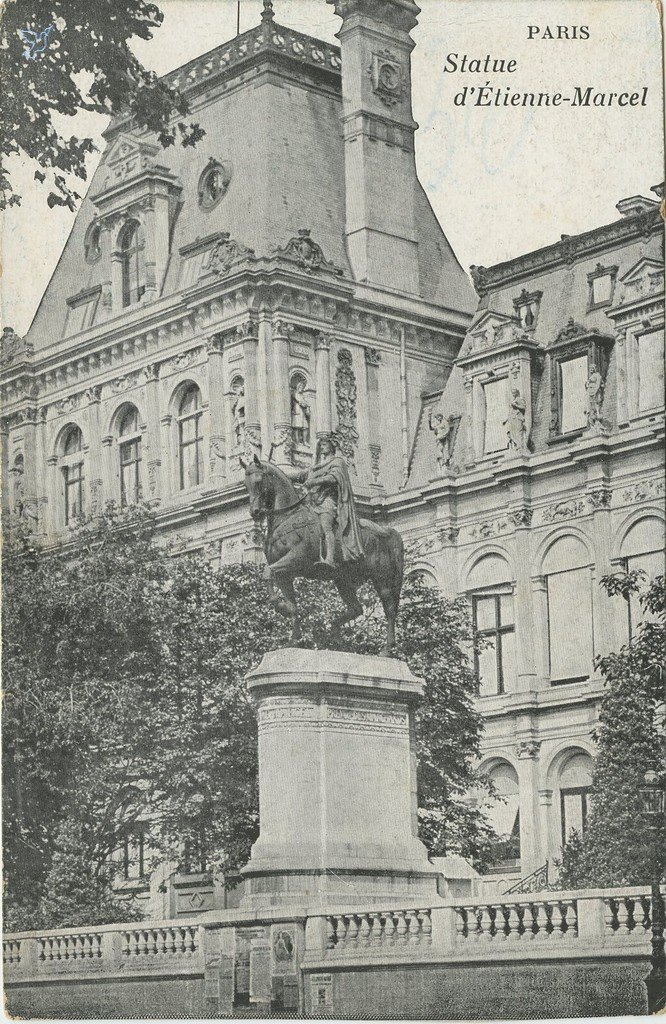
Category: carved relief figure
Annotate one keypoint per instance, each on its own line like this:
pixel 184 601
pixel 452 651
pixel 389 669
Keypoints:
pixel 442 428
pixel 238 411
pixel 300 411
pixel 516 429
pixel 594 385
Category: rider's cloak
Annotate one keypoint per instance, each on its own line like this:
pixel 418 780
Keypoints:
pixel 348 524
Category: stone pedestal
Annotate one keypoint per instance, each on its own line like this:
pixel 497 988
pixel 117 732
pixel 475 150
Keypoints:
pixel 337 782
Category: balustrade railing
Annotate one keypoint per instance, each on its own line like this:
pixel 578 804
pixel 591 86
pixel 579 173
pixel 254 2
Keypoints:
pixel 628 915
pixel 11 951
pixel 529 920
pixel 377 929
pixel 179 940
pixel 78 947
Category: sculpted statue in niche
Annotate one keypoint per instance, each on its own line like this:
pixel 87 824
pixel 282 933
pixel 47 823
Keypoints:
pixel 238 411
pixel 300 411
pixel 442 428
pixel 594 385
pixel 516 428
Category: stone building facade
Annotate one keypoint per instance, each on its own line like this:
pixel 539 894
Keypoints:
pixel 259 292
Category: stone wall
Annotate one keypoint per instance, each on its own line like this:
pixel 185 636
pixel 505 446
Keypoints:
pixel 555 954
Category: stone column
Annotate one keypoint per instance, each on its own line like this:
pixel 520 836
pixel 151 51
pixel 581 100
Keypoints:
pixel 153 441
pixel 478 417
pixel 248 334
pixel 531 847
pixel 94 468
pixel 337 782
pixel 525 662
pixel 217 411
pixel 372 361
pixel 279 394
pixel 468 384
pixel 323 385
pixel 603 606
pixel 621 377
pixel 540 612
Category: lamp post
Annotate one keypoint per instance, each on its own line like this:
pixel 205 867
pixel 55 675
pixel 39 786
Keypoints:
pixel 653 798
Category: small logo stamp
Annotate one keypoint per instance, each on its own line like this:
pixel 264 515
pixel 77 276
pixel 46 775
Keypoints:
pixel 35 42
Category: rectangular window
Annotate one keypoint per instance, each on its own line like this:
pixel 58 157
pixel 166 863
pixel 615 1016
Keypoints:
pixel 574 808
pixel 496 395
pixel 496 663
pixel 570 637
pixel 191 452
pixel 130 461
pixel 650 370
pixel 134 855
pixel 573 375
pixel 73 491
pixel 602 289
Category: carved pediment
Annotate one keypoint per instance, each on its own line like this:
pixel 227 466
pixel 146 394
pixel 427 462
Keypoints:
pixel 493 329
pixel 644 280
pixel 224 254
pixel 129 156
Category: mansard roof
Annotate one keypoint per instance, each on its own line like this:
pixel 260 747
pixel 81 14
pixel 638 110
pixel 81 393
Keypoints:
pixel 270 104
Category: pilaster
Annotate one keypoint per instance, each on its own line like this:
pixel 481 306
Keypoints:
pixel 324 418
pixel 217 411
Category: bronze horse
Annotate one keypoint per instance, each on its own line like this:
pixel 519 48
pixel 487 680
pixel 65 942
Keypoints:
pixel 292 548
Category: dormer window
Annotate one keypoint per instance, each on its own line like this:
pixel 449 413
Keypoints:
pixel 131 246
pixel 601 285
pixel 527 307
pixel 213 184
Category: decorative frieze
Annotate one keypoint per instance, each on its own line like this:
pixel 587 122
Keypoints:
pixel 642 490
pixel 600 497
pixel 521 516
pixel 561 510
pixel 528 749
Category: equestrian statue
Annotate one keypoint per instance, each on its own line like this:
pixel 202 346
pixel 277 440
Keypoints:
pixel 318 535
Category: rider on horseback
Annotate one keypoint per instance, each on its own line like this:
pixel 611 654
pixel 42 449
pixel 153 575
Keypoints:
pixel 331 497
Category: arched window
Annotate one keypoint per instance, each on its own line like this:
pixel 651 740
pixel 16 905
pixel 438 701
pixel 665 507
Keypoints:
pixel 492 614
pixel 575 785
pixel 504 816
pixel 72 471
pixel 566 568
pixel 131 254
pixel 190 440
pixel 642 549
pixel 129 433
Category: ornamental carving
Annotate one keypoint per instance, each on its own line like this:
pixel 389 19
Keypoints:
pixel 388 78
pixel 306 253
pixel 528 748
pixel 564 510
pixel 124 383
pixel 94 394
pixel 479 279
pixel 643 490
pixel 375 455
pixel 64 406
pixel 12 347
pixel 346 393
pixel 224 254
pixel 491 528
pixel 521 516
pixel 600 497
pixel 572 329
pixel 373 356
pixel 282 444
pixel 217 456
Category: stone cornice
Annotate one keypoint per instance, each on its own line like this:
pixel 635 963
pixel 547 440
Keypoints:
pixel 231 58
pixel 567 251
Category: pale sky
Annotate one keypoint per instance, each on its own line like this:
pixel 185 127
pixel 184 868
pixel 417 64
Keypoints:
pixel 502 181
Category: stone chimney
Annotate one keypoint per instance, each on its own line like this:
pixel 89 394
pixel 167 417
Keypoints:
pixel 380 172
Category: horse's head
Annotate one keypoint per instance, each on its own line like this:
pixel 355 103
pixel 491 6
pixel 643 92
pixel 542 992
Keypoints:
pixel 260 488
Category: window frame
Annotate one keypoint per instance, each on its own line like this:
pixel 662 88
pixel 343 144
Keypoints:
pixel 600 271
pixel 570 679
pixel 72 463
pixel 497 633
pixel 583 792
pixel 597 348
pixel 526 300
pixel 130 441
pixel 131 246
pixel 197 441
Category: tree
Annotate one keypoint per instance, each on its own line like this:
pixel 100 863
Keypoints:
pixel 125 701
pixel 82 63
pixel 614 848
